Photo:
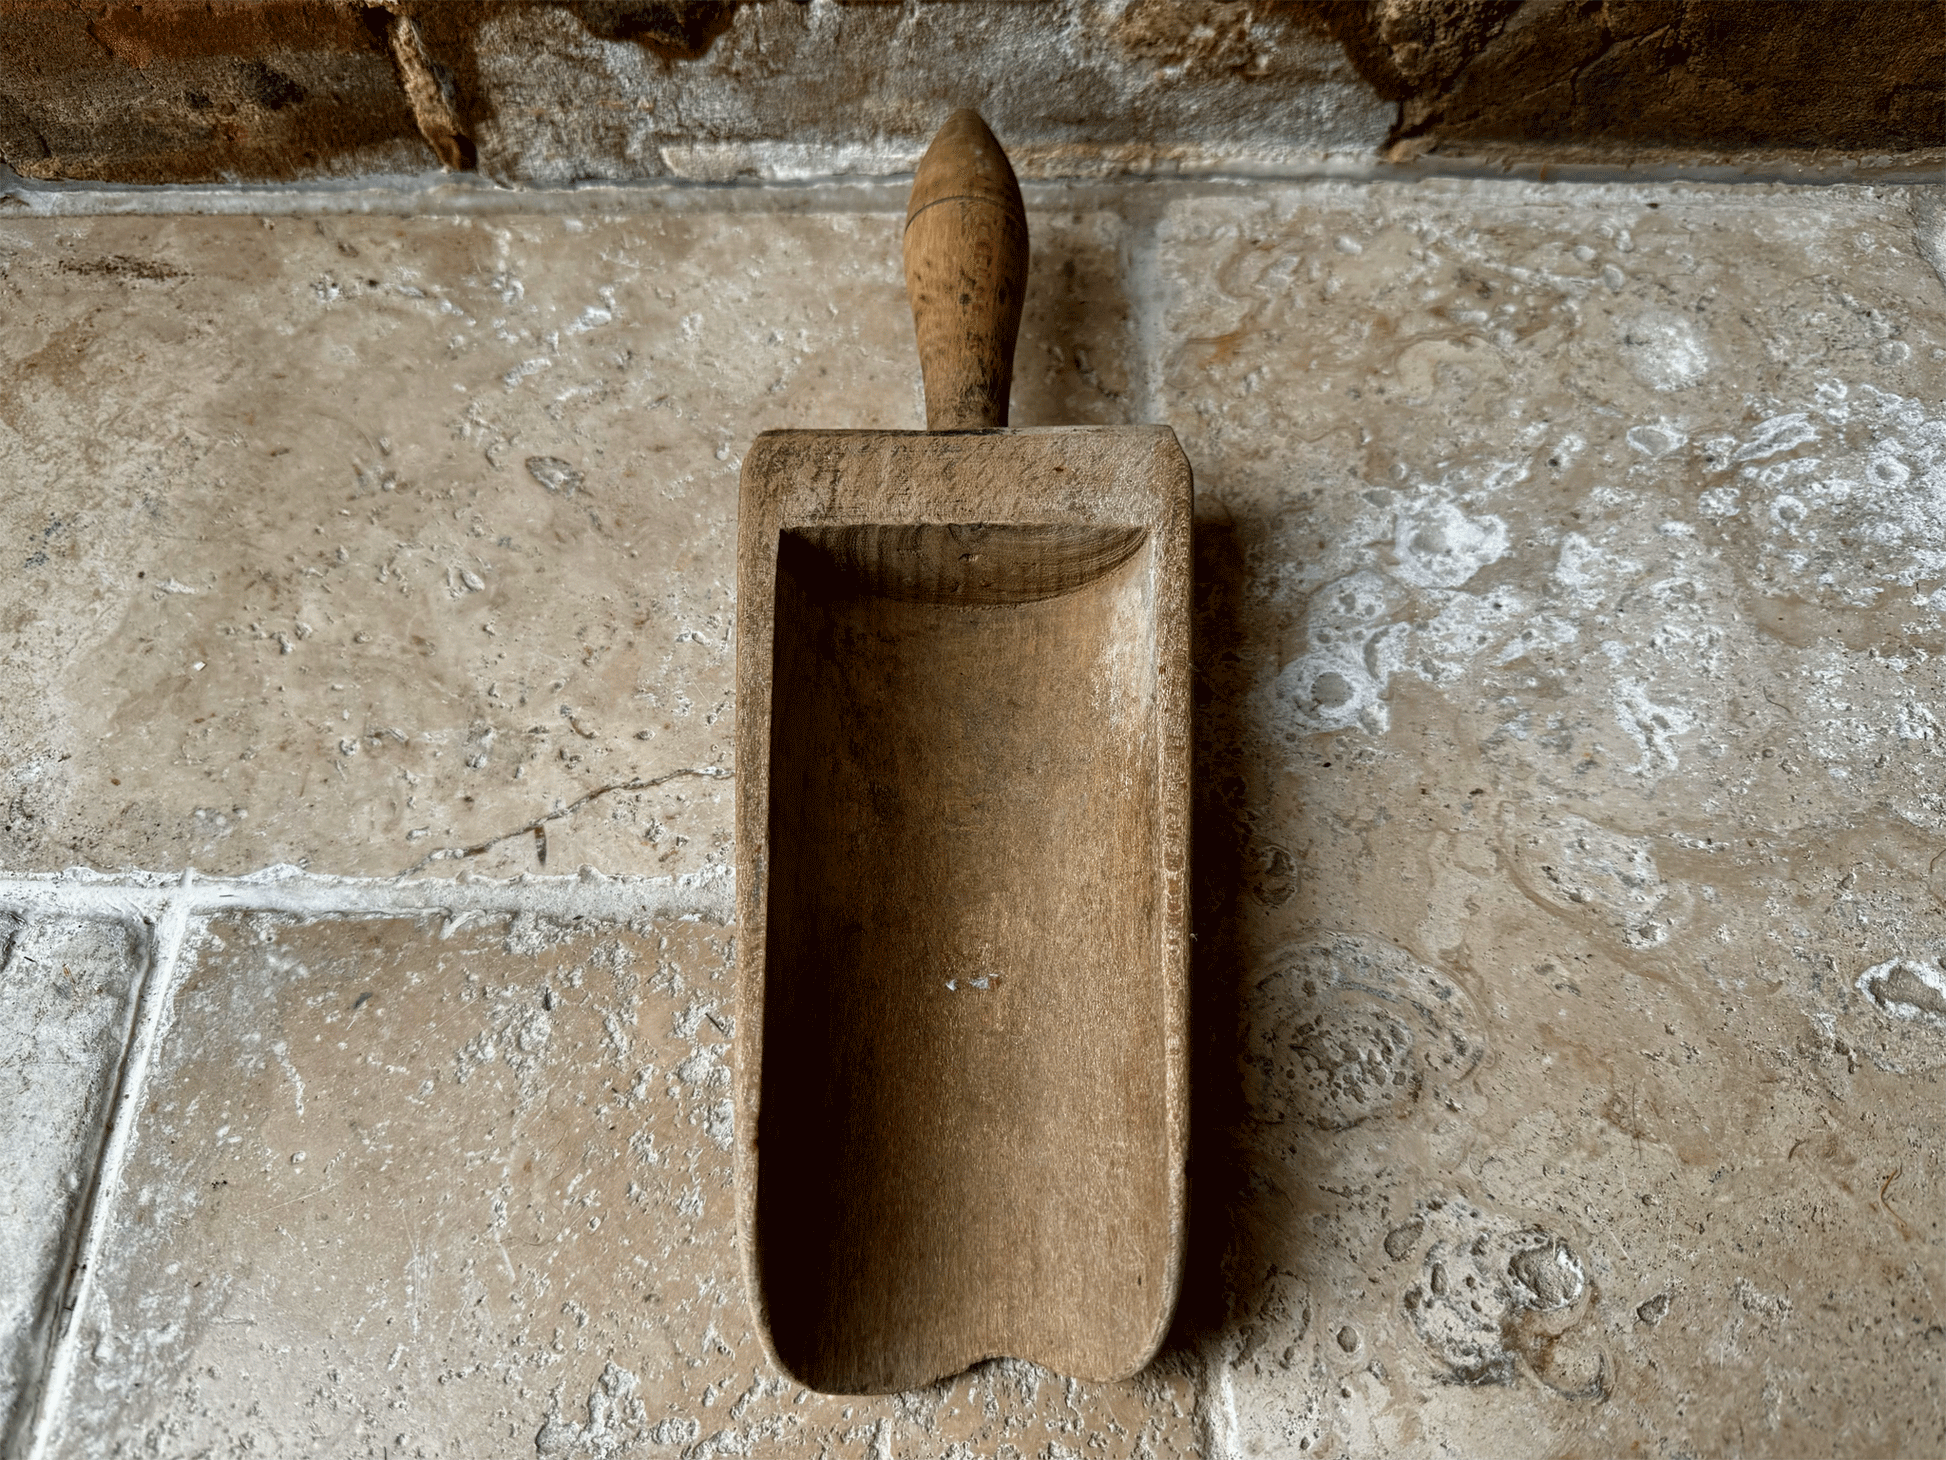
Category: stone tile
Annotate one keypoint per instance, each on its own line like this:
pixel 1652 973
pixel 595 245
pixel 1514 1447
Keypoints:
pixel 66 991
pixel 1571 629
pixel 354 542
pixel 403 1188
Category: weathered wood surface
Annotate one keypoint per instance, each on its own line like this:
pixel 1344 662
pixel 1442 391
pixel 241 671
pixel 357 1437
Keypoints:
pixel 962 844
pixel 966 274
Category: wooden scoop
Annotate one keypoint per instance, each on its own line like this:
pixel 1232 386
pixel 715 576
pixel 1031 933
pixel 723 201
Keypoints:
pixel 962 856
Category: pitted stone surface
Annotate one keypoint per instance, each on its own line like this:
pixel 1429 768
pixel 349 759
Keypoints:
pixel 1571 572
pixel 380 545
pixel 416 1187
pixel 1570 1008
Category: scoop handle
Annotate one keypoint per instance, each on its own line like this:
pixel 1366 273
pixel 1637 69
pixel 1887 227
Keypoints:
pixel 966 274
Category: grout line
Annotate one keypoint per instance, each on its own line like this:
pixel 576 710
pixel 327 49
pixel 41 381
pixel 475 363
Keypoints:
pixel 444 194
pixel 151 1018
pixel 1223 1433
pixel 148 896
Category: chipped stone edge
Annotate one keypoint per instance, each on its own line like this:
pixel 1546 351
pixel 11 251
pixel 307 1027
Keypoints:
pixel 163 907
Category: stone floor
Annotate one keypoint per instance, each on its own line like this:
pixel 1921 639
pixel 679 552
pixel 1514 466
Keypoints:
pixel 1571 1021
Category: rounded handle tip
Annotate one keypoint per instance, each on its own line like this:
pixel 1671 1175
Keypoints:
pixel 966 274
pixel 965 160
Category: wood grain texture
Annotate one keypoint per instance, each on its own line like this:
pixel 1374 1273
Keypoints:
pixel 962 884
pixel 962 832
pixel 966 274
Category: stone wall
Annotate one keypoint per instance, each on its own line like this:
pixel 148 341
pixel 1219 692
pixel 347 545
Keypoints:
pixel 548 92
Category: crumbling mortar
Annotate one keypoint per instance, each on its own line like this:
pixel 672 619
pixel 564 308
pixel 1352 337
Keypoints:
pixel 430 92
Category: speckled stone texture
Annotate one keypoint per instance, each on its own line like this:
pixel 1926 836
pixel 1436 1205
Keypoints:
pixel 416 1188
pixel 427 527
pixel 1572 568
pixel 1570 1014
